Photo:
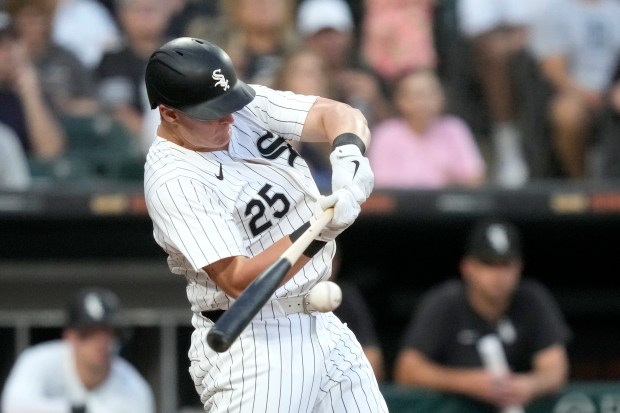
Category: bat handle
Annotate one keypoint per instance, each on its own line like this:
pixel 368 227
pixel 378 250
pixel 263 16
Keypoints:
pixel 247 305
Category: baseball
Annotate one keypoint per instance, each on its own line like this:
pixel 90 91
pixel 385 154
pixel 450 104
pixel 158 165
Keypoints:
pixel 325 296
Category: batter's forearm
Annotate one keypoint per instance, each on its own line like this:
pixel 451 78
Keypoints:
pixel 345 119
pixel 234 274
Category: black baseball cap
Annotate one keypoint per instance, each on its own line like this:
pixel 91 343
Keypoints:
pixel 494 241
pixel 94 307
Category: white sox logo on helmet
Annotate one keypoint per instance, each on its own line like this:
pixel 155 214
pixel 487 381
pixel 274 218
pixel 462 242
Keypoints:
pixel 221 80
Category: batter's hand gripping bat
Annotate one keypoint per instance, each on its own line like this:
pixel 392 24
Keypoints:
pixel 229 326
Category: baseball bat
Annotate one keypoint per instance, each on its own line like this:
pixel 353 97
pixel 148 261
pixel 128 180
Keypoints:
pixel 229 326
pixel 494 360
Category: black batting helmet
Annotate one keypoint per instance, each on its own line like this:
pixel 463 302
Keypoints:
pixel 94 307
pixel 197 78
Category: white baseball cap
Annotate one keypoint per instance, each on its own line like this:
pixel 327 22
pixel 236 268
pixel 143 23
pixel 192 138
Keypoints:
pixel 316 15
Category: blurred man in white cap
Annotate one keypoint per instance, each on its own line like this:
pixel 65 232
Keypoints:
pixel 317 15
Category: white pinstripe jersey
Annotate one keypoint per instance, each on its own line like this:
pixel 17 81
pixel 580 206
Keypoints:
pixel 265 192
pixel 206 206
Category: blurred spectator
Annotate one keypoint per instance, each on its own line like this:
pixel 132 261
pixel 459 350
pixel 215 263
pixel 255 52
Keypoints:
pixel 187 16
pixel 397 36
pixel 22 106
pixel 14 170
pixel 150 123
pixel 303 71
pixel 257 34
pixel 86 28
pixel 120 75
pixel 109 5
pixel 610 132
pixel 422 147
pixel 440 347
pixel 354 312
pixel 82 372
pixel 497 31
pixel 65 82
pixel 577 44
pixel 327 27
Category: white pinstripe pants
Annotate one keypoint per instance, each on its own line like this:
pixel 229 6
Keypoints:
pixel 296 363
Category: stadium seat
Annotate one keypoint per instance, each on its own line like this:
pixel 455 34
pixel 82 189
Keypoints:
pixel 98 149
pixel 100 143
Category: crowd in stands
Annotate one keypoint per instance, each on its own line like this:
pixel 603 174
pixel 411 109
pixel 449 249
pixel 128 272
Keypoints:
pixel 457 92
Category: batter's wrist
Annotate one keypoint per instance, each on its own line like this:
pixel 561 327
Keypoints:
pixel 349 139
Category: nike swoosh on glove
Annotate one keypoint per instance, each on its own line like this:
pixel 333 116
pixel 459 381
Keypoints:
pixel 346 210
pixel 351 170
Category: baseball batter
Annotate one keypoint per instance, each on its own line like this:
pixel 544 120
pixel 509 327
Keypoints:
pixel 228 194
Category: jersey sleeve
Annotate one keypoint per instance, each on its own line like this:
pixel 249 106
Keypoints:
pixel 191 219
pixel 281 112
pixel 550 326
pixel 427 330
pixel 24 390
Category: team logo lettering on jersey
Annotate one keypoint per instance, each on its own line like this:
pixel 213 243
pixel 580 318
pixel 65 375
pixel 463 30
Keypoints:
pixel 275 148
pixel 221 80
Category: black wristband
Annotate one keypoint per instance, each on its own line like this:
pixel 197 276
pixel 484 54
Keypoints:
pixel 297 233
pixel 347 139
pixel 78 409
pixel 314 247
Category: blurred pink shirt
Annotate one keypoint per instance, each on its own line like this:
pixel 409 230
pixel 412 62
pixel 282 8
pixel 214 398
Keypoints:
pixel 447 154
